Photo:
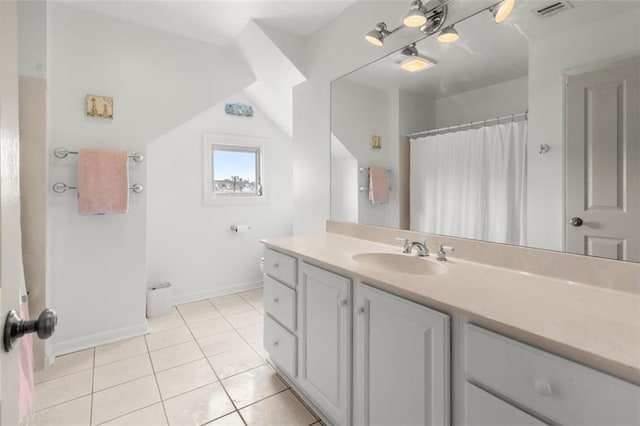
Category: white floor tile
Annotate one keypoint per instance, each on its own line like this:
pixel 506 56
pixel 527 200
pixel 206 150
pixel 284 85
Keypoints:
pixel 198 311
pixel 232 419
pixel 150 416
pixel 198 406
pixel 235 307
pixel 252 333
pixel 210 327
pixel 166 338
pixel 175 355
pixel 66 364
pixel 185 378
pixel 235 361
pixel 279 410
pixel 123 399
pixel 76 412
pixel 221 343
pixel 62 389
pixel 244 319
pixel 225 300
pixel 172 320
pixel 122 349
pixel 252 294
pixel 253 385
pixel 120 372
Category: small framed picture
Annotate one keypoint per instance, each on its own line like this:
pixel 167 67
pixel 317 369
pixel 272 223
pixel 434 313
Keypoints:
pixel 99 106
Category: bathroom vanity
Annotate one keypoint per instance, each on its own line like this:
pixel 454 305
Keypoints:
pixel 456 342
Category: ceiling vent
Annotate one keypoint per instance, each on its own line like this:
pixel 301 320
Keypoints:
pixel 552 9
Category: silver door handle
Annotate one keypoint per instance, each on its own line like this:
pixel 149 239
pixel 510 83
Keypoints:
pixel 15 327
pixel 575 221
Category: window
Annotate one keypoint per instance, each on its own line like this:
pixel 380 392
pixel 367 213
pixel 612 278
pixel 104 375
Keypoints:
pixel 233 169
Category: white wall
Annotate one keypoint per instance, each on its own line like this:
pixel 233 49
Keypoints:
pixel 190 244
pixel 417 112
pixel 312 157
pixel 32 38
pixel 357 113
pixel 614 38
pixel 344 183
pixel 493 101
pixel 97 264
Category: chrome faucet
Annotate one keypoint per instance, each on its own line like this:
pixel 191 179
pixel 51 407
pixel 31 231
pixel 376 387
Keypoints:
pixel 442 252
pixel 407 246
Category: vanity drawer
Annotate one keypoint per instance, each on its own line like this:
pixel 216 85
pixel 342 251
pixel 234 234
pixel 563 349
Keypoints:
pixel 281 346
pixel 280 302
pixel 558 389
pixel 484 409
pixel 280 266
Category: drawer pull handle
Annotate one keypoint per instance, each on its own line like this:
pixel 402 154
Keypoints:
pixel 361 310
pixel 543 388
pixel 276 343
pixel 276 265
pixel 276 300
pixel 343 302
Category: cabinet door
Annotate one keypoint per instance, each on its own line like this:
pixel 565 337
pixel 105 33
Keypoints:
pixel 401 361
pixel 324 337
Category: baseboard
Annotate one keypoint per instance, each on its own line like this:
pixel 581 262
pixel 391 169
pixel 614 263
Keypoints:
pixel 215 292
pixel 86 342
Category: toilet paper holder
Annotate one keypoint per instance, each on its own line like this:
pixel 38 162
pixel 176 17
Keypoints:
pixel 240 229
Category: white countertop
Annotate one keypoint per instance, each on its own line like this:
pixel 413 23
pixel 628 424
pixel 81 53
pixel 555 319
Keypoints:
pixel 592 325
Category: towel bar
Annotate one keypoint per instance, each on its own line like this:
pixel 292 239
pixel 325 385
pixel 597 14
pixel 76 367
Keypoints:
pixel 63 153
pixel 61 187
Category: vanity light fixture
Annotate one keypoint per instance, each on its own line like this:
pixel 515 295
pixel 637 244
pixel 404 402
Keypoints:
pixel 428 17
pixel 415 17
pixel 502 10
pixel 377 35
pixel 414 61
pixel 448 35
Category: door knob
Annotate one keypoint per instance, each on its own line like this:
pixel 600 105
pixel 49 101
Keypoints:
pixel 14 327
pixel 575 221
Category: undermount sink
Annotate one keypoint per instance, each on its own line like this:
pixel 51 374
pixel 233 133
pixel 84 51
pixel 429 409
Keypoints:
pixel 401 263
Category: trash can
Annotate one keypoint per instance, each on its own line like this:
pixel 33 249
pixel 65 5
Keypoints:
pixel 158 299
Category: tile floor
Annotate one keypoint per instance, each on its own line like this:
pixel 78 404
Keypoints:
pixel 202 364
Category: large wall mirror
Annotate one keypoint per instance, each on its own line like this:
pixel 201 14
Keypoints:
pixel 525 132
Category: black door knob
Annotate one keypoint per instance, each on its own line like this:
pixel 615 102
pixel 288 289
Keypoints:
pixel 15 327
pixel 575 221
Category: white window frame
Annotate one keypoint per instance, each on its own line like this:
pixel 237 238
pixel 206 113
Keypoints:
pixel 238 142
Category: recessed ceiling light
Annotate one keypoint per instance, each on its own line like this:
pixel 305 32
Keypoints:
pixel 415 63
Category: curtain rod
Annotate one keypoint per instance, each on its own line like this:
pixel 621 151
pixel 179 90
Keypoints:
pixel 457 127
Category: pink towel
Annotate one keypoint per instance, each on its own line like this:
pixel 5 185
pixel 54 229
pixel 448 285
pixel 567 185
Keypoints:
pixel 378 185
pixel 103 181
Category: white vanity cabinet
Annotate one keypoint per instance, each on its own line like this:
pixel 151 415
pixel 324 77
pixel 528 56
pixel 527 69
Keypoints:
pixel 324 332
pixel 401 361
pixel 280 278
pixel 506 373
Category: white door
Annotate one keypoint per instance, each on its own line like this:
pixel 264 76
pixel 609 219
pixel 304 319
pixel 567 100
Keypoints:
pixel 603 162
pixel 324 336
pixel 401 361
pixel 9 206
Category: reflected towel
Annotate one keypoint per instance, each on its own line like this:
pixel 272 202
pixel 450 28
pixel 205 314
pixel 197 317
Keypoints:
pixel 103 181
pixel 378 185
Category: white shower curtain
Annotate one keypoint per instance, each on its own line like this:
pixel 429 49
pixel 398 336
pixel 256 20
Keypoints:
pixel 471 183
